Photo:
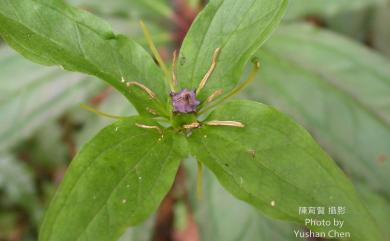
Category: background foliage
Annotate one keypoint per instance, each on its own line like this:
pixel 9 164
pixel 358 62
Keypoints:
pixel 327 66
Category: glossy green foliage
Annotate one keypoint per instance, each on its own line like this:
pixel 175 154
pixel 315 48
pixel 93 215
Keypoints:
pixel 275 165
pixel 85 44
pixel 238 33
pixel 117 180
pixel 337 89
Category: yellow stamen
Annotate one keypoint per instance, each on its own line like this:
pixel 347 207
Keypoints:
pixel 146 89
pixel 149 127
pixel 225 123
pixel 156 54
pixel 174 80
pixel 236 90
pixel 100 113
pixel 216 93
pixel 151 111
pixel 210 71
pixel 192 125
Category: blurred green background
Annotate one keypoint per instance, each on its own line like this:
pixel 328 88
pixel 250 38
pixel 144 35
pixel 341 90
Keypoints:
pixel 328 66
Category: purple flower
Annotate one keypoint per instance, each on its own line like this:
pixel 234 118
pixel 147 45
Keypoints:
pixel 185 101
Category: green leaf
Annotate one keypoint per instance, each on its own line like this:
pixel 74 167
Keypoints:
pixel 380 29
pixel 326 8
pixel 275 165
pixel 379 208
pixel 336 88
pixel 118 179
pixel 221 217
pixel 134 8
pixel 30 95
pixel 351 18
pixel 239 28
pixel 53 33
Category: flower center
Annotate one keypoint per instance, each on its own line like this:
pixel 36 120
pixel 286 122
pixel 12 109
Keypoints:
pixel 184 101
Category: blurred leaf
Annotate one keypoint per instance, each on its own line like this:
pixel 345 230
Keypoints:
pixel 47 147
pixel 275 165
pixel 221 217
pixel 118 179
pixel 30 95
pixel 378 207
pixel 84 44
pixel 142 232
pixel 326 8
pixel 224 24
pixel 381 30
pixel 17 188
pixel 16 180
pixel 336 88
pixel 194 3
pixel 354 23
pixel 8 222
pixel 351 18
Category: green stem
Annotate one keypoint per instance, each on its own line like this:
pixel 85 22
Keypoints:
pixel 100 113
pixel 156 54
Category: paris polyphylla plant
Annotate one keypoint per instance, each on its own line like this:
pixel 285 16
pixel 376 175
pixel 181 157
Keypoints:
pixel 119 178
pixel 186 110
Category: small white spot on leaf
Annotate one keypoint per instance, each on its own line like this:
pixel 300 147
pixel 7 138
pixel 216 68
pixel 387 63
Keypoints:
pixel 273 203
pixel 124 201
